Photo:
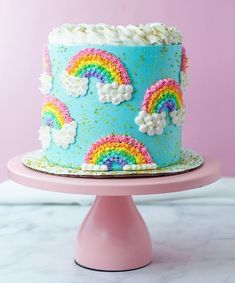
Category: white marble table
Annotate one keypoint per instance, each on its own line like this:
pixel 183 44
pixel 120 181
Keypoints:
pixel 193 240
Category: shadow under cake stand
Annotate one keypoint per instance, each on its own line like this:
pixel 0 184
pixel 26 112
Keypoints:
pixel 113 235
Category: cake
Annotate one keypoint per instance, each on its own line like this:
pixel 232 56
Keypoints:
pixel 113 97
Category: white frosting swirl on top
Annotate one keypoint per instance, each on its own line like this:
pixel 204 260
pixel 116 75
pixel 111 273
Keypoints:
pixel 148 34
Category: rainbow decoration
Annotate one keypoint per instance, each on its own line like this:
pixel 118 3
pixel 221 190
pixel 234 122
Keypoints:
pixel 124 151
pixel 113 80
pixel 57 124
pixel 184 60
pixel 46 61
pixel 184 69
pixel 104 66
pixel 46 77
pixel 55 114
pixel 165 93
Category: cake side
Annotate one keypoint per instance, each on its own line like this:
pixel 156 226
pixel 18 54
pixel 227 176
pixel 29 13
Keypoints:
pixel 109 107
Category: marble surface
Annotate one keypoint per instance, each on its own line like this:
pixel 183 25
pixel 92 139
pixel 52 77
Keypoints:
pixel 193 241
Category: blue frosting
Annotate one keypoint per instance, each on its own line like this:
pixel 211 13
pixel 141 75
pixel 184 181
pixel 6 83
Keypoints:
pixel 145 65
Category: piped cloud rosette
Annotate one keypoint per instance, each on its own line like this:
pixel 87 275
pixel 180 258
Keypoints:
pixel 57 125
pixel 151 123
pixel 75 86
pixel 184 69
pixel 118 152
pixel 46 77
pixel 113 80
pixel 45 136
pixel 164 95
pixel 177 117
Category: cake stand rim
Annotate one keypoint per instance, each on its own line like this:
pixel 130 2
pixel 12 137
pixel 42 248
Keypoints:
pixel 209 172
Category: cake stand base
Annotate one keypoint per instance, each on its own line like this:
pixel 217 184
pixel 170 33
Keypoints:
pixel 113 236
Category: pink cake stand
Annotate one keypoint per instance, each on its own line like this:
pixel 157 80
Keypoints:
pixel 113 235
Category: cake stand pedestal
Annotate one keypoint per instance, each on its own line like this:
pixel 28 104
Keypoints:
pixel 113 235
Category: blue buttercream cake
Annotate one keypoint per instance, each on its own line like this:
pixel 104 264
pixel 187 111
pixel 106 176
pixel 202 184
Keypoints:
pixel 113 97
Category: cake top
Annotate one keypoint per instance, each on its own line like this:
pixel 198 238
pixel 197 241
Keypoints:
pixel 100 34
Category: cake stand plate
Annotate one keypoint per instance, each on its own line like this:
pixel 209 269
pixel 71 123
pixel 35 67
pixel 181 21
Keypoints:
pixel 36 160
pixel 113 235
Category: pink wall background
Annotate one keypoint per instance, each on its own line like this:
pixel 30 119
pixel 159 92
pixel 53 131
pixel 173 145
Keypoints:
pixel 208 30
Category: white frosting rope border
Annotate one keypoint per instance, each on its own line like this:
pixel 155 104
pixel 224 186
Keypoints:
pixel 148 34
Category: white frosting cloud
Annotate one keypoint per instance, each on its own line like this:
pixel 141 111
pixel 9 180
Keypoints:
pixel 151 123
pixel 114 93
pixel 137 167
pixel 132 167
pixel 46 83
pixel 75 86
pixel 92 167
pixel 178 116
pixel 149 34
pixel 65 136
pixel 184 81
pixel 45 136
